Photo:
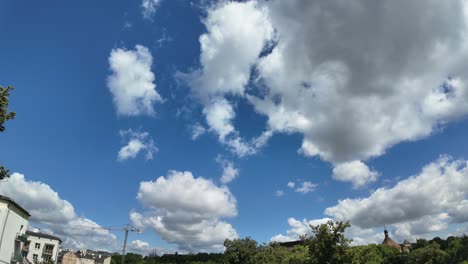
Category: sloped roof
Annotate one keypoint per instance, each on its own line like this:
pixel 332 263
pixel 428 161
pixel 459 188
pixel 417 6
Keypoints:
pixel 37 234
pixel 11 201
pixel 389 242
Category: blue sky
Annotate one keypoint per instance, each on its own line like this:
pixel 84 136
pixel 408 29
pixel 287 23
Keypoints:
pixel 110 94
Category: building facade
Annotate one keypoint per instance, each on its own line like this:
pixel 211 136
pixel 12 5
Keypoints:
pixel 85 257
pixel 41 247
pixel 13 224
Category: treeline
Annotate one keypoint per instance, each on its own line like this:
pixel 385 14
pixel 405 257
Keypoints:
pixel 199 258
pixel 327 245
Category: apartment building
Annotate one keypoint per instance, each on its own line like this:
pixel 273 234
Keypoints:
pixel 41 247
pixel 13 224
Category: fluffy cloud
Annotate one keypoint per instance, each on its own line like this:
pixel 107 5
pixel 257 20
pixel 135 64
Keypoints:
pixel 353 78
pixel 340 80
pixel 303 187
pixel 187 211
pixel 298 228
pixel 438 192
pixel 132 82
pixel 58 215
pixel 136 142
pixel 225 65
pixel 356 172
pixel 306 187
pixel 229 171
pixel 431 202
pixel 148 8
pixel 140 247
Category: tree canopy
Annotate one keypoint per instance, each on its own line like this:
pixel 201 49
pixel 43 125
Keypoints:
pixel 5 115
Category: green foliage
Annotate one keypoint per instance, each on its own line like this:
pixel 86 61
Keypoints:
pixel 328 244
pixel 329 235
pixel 429 254
pixel 298 255
pixel 272 253
pixel 199 258
pixel 371 254
pixel 4 116
pixel 240 251
pixel 420 243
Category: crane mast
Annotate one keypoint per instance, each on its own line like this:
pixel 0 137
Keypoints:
pixel 127 229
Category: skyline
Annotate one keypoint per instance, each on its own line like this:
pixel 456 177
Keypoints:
pixel 209 120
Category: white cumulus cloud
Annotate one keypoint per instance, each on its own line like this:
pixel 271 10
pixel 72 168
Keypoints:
pixel 356 172
pixel 428 204
pixel 140 247
pixel 353 79
pixel 132 81
pixel 187 211
pixel 438 191
pixel 298 228
pixel 225 65
pixel 136 142
pixel 48 209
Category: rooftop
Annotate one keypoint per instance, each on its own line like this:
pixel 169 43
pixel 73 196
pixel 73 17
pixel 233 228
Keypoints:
pixel 11 201
pixel 42 235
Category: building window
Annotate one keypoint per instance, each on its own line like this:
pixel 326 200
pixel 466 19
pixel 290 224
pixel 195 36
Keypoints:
pixel 35 256
pixel 46 258
pixel 38 246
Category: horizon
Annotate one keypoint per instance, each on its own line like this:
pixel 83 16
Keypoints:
pixel 202 121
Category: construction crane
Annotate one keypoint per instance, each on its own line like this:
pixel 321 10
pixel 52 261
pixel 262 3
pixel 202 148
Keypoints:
pixel 127 229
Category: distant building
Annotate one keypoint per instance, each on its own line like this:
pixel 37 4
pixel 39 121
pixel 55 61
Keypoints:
pixel 291 244
pixel 13 224
pixel 85 257
pixel 41 247
pixel 68 257
pixel 405 247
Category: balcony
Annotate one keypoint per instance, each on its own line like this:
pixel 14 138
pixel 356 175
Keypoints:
pixel 16 258
pixel 48 252
pixel 21 237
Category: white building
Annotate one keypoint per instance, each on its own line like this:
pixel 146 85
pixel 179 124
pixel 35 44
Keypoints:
pixel 41 247
pixel 13 224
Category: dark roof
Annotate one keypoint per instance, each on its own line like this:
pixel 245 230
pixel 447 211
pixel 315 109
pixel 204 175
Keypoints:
pixel 95 257
pixel 389 242
pixel 291 244
pixel 4 198
pixel 37 234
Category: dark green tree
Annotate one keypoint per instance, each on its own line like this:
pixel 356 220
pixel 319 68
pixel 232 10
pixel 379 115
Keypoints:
pixel 272 253
pixel 429 254
pixel 4 116
pixel 328 243
pixel 299 255
pixel 240 251
pixel 371 254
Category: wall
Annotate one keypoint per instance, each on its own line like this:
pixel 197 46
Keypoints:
pixel 39 252
pixel 69 258
pixel 12 222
